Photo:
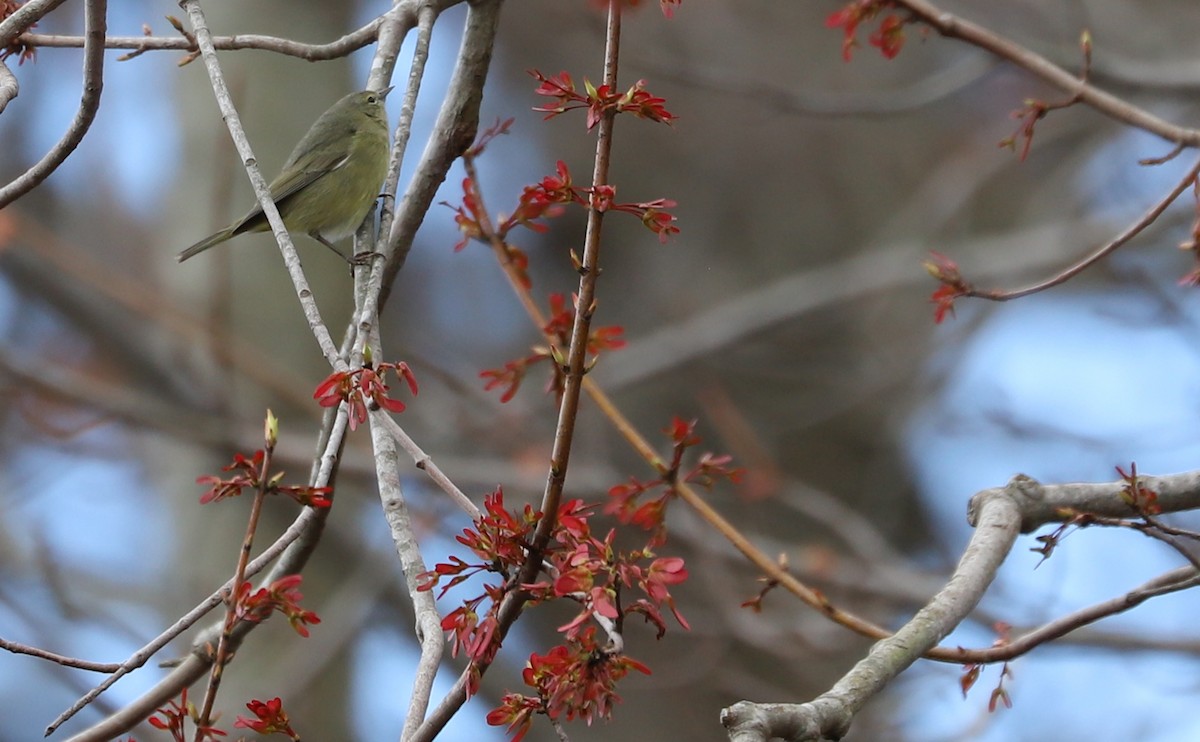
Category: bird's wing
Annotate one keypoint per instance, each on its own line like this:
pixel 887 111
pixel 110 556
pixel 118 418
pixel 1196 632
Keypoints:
pixel 308 162
pixel 292 180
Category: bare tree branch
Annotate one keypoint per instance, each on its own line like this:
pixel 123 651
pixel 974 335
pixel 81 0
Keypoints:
pixel 19 648
pixel 9 88
pixel 425 462
pixel 428 622
pixel 453 132
pixel 303 292
pixel 1171 582
pixel 95 26
pixel 952 26
pixel 1133 230
pixel 1057 503
pixel 369 289
pixel 338 48
pixel 830 714
pixel 168 687
pixel 24 17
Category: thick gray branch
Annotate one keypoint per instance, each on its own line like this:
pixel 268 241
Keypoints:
pixel 428 622
pixel 1055 503
pixel 452 134
pixel 829 715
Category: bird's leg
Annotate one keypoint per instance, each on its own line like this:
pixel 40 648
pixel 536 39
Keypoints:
pixel 316 236
pixel 360 259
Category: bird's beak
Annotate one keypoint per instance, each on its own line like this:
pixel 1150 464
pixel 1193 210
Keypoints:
pixel 383 93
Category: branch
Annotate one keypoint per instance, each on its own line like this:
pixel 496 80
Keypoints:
pixel 303 292
pixel 61 659
pixel 428 622
pixel 1170 582
pixel 829 715
pixel 425 463
pixel 1042 504
pixel 125 719
pixel 95 27
pixel 24 17
pixel 342 47
pixel 369 292
pixel 1102 252
pixel 9 88
pixel 453 132
pixel 952 26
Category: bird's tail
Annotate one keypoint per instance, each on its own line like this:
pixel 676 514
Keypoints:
pixel 204 244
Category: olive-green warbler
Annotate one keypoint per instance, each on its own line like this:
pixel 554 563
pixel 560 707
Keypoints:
pixel 330 180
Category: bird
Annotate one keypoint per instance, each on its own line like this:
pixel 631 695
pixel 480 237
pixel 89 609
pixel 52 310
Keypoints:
pixel 329 181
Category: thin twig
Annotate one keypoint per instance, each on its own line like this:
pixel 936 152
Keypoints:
pixel 573 369
pixel 504 256
pixel 61 659
pixel 952 26
pixel 336 49
pixel 408 107
pixel 95 28
pixel 182 624
pixel 224 652
pixel 303 292
pixel 368 297
pixel 576 361
pixel 1170 582
pixel 1133 230
pixel 425 462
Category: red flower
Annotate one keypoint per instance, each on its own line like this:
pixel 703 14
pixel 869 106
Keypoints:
pixel 272 719
pixel 283 595
pixel 889 37
pixel 598 100
pixel 953 285
pixel 355 387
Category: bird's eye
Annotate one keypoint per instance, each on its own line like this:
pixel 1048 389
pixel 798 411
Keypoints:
pixel 371 99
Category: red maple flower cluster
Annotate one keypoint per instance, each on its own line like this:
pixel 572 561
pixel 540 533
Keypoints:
pixel 1136 494
pixel 953 285
pixel 270 718
pixel 888 37
pixel 539 200
pixel 576 679
pixel 250 476
pixel 173 716
pixel 624 499
pixel 572 682
pixel 355 387
pixel 546 199
pixel 282 595
pixel 599 100
pixel 562 318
